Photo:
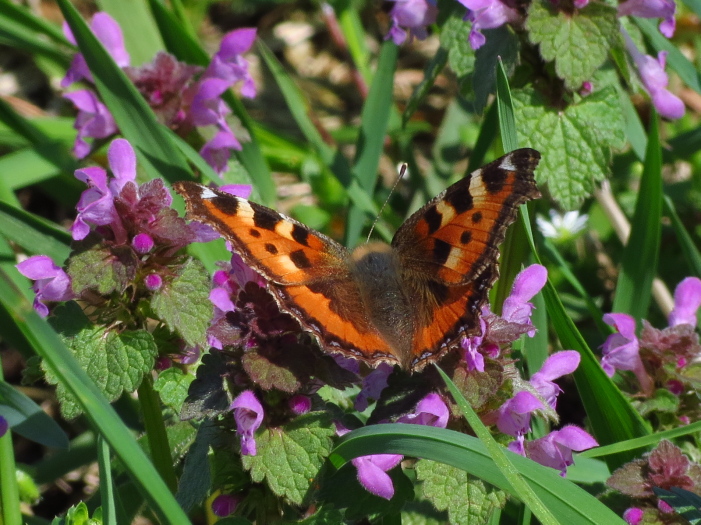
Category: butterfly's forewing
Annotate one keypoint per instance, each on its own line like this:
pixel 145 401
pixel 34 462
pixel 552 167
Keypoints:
pixel 307 272
pixel 457 234
pixel 281 249
pixel 450 247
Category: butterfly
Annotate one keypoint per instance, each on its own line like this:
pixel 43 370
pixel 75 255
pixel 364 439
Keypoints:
pixel 407 303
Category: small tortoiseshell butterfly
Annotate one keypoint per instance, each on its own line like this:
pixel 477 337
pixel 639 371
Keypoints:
pixel 407 303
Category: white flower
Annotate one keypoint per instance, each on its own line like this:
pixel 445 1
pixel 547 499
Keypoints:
pixel 562 227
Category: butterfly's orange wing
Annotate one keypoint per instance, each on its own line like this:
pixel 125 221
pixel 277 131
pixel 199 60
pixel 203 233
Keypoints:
pixel 450 247
pixel 307 272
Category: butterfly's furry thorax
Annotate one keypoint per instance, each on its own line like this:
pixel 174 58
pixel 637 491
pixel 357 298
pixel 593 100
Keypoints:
pixel 408 303
pixel 386 298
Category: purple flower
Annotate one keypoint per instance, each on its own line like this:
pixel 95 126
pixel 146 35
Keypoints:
pixel 652 9
pixel 633 516
pixel 413 15
pixel 471 345
pixel 655 80
pixel 51 283
pixel 4 426
pixel 514 416
pixel 372 470
pixel 108 32
pixel 248 414
pixel 557 365
pixel 430 411
pixel 300 404
pixel 581 4
pixel 487 14
pixel 93 120
pixel 96 204
pixel 621 351
pixel 225 504
pixel 555 449
pixel 527 284
pixel 687 299
pixel 142 243
pixel 153 281
pixel 373 385
pixel 228 63
pixel 372 473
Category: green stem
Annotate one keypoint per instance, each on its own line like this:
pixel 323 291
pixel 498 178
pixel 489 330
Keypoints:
pixel 9 490
pixel 156 433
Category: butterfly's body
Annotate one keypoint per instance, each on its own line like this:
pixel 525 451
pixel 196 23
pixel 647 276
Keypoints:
pixel 406 303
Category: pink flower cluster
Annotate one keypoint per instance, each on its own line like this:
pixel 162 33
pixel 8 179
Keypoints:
pixel 182 96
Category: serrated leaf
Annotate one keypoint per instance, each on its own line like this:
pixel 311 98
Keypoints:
pixel 196 479
pixel 269 375
pixel 579 42
pixel 289 458
pixel 467 499
pixel 173 384
pixel 454 37
pixel 183 302
pixel 207 395
pixel 576 142
pixel 104 270
pixel 115 361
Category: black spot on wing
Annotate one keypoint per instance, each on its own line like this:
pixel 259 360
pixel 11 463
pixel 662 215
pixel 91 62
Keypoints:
pixel 227 205
pixel 300 234
pixel 441 251
pixel 270 248
pixel 433 219
pixel 265 219
pixel 476 217
pixel 299 259
pixel 466 237
pixel 460 200
pixel 494 179
pixel 254 233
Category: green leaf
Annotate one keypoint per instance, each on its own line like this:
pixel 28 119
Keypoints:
pixel 289 458
pixel 691 252
pixel 576 141
pixel 639 260
pixel 28 419
pixel 104 270
pixel 172 385
pixel 196 478
pixel 116 361
pixel 454 38
pixel 467 499
pixel 183 302
pixel 563 37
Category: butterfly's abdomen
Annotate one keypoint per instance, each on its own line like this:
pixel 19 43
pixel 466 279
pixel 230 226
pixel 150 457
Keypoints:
pixel 376 269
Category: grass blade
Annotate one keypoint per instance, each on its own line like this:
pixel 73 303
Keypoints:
pixel 371 140
pixel 639 260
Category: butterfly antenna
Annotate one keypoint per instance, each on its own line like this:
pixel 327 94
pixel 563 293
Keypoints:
pixel 402 171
